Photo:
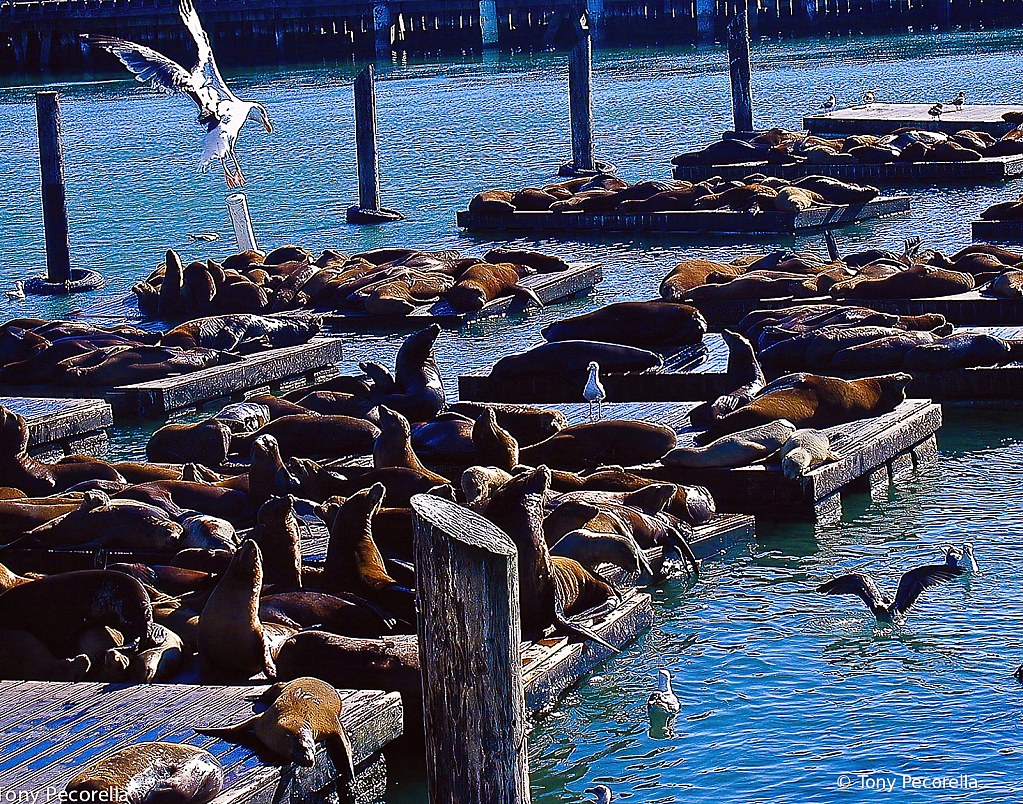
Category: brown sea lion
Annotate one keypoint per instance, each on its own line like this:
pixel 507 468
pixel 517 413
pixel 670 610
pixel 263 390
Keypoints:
pixel 538 261
pixel 345 614
pixel 612 442
pixel 124 365
pixel 177 497
pixel 419 390
pixel 592 549
pixel 24 657
pixel 317 483
pixel 743 374
pixel 19 516
pixel 205 442
pixel 310 435
pixel 277 533
pixel 572 358
pixel 494 445
pixel 485 281
pixel 146 773
pixel 265 465
pixel 304 711
pixel 101 521
pixel 645 325
pixel 393 447
pixel 527 424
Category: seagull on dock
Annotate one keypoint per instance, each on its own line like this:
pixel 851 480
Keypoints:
pixel 662 707
pixel 594 390
pixel 221 111
pixel 868 97
pixel 829 104
pixel 601 793
pixel 935 111
pixel 911 586
pixel 961 557
pixel 960 99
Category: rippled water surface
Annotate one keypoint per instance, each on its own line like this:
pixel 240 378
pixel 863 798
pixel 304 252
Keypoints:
pixel 783 692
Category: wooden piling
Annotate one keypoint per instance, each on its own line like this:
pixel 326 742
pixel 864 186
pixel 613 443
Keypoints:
pixel 366 139
pixel 739 69
pixel 704 21
pixel 382 30
pixel 51 164
pixel 488 23
pixel 467 592
pixel 580 102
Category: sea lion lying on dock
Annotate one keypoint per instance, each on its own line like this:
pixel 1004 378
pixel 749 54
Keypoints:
pixel 645 325
pixel 242 332
pixel 572 359
pixel 611 442
pixel 739 448
pixel 124 365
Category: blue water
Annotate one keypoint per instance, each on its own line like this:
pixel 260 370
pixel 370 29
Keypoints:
pixel 783 691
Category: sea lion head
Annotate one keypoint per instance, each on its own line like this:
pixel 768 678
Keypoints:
pixel 417 346
pixel 265 449
pixel 393 423
pixel 893 388
pixel 13 432
pixel 294 740
pixel 208 532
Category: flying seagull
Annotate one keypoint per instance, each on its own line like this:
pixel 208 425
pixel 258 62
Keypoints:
pixel 964 557
pixel 221 111
pixel 911 585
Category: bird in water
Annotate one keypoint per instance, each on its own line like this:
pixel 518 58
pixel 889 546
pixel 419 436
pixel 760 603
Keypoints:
pixel 829 104
pixel 960 99
pixel 1018 675
pixel 662 707
pixel 221 111
pixel 935 111
pixel 18 294
pixel 868 97
pixel 594 390
pixel 601 793
pixel 964 557
pixel 204 237
pixel 911 585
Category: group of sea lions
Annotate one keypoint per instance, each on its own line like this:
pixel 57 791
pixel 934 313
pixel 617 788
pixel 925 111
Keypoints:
pixel 40 352
pixel 610 194
pixel 870 274
pixel 386 281
pixel 778 146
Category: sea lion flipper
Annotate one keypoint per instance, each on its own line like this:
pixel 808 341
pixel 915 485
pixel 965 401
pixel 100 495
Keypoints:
pixel 527 293
pixel 230 733
pixel 564 624
pixel 340 750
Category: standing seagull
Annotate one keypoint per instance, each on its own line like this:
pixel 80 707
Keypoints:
pixel 935 111
pixel 868 97
pixel 594 391
pixel 911 585
pixel 829 104
pixel 960 99
pixel 221 111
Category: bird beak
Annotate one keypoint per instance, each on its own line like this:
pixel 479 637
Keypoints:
pixel 268 126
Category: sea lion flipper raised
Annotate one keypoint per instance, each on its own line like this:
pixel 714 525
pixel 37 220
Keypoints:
pixel 562 623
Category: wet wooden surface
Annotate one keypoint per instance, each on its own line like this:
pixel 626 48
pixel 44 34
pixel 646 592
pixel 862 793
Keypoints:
pixel 59 427
pixel 884 118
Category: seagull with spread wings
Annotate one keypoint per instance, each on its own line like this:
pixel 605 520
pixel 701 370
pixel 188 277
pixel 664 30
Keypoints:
pixel 911 586
pixel 221 111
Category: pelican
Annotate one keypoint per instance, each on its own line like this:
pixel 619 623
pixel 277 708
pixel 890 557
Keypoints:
pixel 911 585
pixel 594 390
pixel 662 707
pixel 601 793
pixel 960 99
pixel 18 294
pixel 221 111
pixel 829 104
pixel 868 97
pixel 935 111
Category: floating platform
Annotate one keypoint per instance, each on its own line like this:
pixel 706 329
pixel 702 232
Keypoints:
pixel 998 231
pixel 552 287
pixel 50 730
pixel 272 371
pixel 884 118
pixel 993 169
pixel 61 427
pixel 684 376
pixel 875 452
pixel 963 309
pixel 724 222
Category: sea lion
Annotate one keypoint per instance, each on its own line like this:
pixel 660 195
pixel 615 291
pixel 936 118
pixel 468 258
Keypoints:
pixel 645 325
pixel 354 563
pixel 485 281
pixel 803 451
pixel 527 424
pixel 127 524
pixel 146 773
pixel 743 373
pixel 243 417
pixel 265 464
pixel 242 332
pixel 317 483
pixel 592 549
pixel 393 447
pixel 538 261
pixel 445 440
pixel 691 504
pixel 886 353
pixel 494 445
pixel 961 350
pixel 612 442
pixel 812 400
pixel 691 274
pixel 125 365
pixel 24 657
pixel 304 711
pixel 571 359
pixel 735 449
pixel 233 643
pixel 277 533
pixel 19 516
pixel 477 483
pixel 345 614
pixel 419 393
pixel 160 662
pixel 177 497
pixel 205 442
pixel 309 435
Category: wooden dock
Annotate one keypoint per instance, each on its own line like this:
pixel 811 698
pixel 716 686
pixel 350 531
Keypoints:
pixel 884 118
pixel 716 222
pixel 991 169
pixel 51 730
pixel 688 374
pixel 998 231
pixel 552 287
pixel 61 427
pixel 272 371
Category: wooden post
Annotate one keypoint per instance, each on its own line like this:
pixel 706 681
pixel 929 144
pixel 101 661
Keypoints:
pixel 366 139
pixel 704 21
pixel 739 69
pixel 467 591
pixel 488 23
pixel 51 165
pixel 580 102
pixel 382 30
pixel 595 21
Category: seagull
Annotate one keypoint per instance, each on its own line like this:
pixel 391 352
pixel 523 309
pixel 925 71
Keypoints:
pixel 960 99
pixel 601 793
pixel 935 111
pixel 594 391
pixel 868 97
pixel 911 585
pixel 221 111
pixel 829 104
pixel 204 237
pixel 961 557
pixel 662 707
pixel 18 294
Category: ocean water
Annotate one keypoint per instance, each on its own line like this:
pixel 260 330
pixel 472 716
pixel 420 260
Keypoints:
pixel 785 694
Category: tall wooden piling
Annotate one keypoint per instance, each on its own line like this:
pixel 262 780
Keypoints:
pixel 51 165
pixel 488 23
pixel 704 21
pixel 467 591
pixel 382 20
pixel 580 102
pixel 366 139
pixel 739 69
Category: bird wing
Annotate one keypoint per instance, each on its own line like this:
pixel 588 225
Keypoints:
pixel 862 586
pixel 913 583
pixel 164 74
pixel 206 64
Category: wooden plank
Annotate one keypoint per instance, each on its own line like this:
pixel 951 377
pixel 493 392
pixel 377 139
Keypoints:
pixel 550 288
pixel 58 427
pixel 998 231
pixel 883 118
pixel 990 169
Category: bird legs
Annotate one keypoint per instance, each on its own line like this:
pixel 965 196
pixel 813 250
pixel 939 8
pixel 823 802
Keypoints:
pixel 600 409
pixel 232 174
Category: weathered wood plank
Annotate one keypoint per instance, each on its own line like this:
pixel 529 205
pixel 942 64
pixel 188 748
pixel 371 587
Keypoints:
pixel 59 427
pixel 884 118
